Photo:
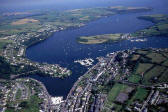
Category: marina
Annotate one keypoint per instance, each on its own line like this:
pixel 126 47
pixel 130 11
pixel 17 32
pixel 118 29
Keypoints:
pixel 85 62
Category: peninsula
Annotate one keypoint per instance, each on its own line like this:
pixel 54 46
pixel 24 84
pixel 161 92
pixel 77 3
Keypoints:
pixel 159 28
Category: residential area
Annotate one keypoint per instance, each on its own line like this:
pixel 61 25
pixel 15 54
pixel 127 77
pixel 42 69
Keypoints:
pixel 14 53
pixel 26 94
pixel 109 86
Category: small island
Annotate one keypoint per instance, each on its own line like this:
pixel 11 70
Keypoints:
pixel 97 39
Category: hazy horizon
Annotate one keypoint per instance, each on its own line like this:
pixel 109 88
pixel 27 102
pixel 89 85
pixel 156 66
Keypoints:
pixel 14 5
pixel 59 5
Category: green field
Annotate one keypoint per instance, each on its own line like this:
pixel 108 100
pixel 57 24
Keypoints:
pixel 113 93
pixel 142 68
pixel 98 39
pixel 156 57
pixel 164 76
pixel 140 94
pixel 134 78
pixel 117 88
pixel 156 71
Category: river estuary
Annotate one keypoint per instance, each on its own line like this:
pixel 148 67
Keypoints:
pixel 62 47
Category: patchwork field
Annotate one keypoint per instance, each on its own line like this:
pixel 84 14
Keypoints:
pixel 122 95
pixel 150 67
pixel 153 74
pixel 156 57
pixel 117 88
pixel 118 93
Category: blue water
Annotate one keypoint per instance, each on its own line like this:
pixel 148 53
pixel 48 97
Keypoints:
pixel 62 48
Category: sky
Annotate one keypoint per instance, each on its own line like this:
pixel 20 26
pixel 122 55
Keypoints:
pixel 28 2
pixel 35 2
pixel 8 4
pixel 26 5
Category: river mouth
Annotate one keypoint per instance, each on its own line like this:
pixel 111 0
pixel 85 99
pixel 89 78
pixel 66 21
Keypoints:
pixel 62 47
